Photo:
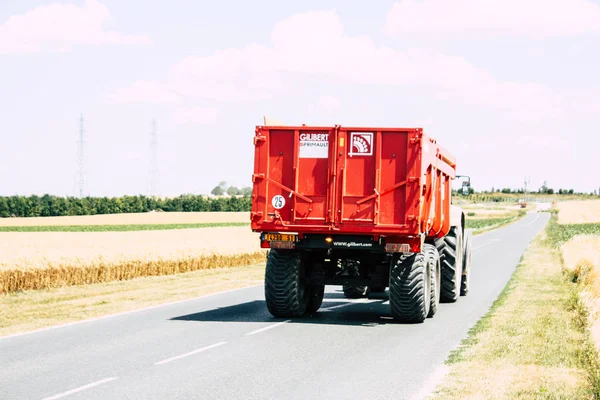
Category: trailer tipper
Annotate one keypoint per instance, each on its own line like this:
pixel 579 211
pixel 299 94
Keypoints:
pixel 366 208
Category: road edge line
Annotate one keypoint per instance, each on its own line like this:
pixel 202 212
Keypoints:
pixel 125 313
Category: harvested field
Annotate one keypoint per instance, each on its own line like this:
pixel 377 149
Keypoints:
pixel 149 218
pixel 37 260
pixel 578 212
pixel 476 211
pixel 581 256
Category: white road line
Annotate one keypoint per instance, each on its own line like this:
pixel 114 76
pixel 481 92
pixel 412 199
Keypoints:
pixel 485 244
pixel 359 301
pixel 79 389
pixel 268 327
pixel 339 306
pixel 535 219
pixel 190 353
pixel 125 312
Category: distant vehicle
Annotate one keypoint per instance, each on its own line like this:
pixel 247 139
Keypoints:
pixel 366 208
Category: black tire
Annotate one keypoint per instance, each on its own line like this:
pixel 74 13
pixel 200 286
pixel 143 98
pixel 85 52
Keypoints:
pixel 466 273
pixel 433 260
pixel 410 288
pixel 317 292
pixel 287 293
pixel 351 268
pixel 450 248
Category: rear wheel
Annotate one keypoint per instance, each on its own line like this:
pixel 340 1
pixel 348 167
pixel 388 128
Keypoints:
pixel 316 298
pixel 466 273
pixel 450 248
pixel 287 292
pixel 410 288
pixel 351 268
pixel 433 260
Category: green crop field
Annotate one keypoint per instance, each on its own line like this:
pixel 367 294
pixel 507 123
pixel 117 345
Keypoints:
pixel 117 228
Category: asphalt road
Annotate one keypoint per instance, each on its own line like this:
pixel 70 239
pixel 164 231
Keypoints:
pixel 227 346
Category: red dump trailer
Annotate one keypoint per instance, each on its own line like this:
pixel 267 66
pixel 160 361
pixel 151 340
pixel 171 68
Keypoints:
pixel 366 208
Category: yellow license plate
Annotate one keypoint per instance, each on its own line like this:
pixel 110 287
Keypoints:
pixel 280 237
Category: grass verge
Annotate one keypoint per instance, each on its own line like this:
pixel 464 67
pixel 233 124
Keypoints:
pixel 117 228
pixel 533 343
pixel 29 310
pixel 487 224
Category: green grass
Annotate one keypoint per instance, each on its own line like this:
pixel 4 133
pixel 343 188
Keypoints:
pixel 471 223
pixel 534 342
pixel 559 234
pixel 487 222
pixel 116 228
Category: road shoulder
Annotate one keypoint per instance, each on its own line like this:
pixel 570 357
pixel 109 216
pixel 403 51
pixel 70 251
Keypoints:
pixel 531 344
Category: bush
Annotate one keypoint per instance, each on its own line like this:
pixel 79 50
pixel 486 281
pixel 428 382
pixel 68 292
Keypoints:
pixel 53 206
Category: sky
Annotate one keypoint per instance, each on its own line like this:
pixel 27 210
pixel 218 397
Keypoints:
pixel 510 87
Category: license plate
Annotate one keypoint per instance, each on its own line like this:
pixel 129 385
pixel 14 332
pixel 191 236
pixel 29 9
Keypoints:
pixel 280 237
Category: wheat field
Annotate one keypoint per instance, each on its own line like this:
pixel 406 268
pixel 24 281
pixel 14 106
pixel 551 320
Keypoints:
pixel 39 260
pixel 486 211
pixel 578 212
pixel 149 218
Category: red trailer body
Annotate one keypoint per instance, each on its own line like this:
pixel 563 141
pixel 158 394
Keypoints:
pixel 365 208
pixel 391 182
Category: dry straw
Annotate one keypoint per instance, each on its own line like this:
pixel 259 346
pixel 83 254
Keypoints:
pixel 54 276
pixel 41 260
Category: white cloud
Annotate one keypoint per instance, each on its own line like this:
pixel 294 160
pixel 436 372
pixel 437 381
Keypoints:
pixel 195 116
pixel 59 27
pixel 229 75
pixel 145 92
pixel 262 71
pixel 534 18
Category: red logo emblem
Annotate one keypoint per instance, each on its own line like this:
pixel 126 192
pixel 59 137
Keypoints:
pixel 362 143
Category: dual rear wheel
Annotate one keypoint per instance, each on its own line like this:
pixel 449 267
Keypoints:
pixel 289 291
pixel 417 283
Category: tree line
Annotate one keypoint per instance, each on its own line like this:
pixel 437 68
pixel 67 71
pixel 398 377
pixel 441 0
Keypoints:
pixel 54 206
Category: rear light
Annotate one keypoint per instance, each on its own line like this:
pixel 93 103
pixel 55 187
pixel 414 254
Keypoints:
pixel 397 248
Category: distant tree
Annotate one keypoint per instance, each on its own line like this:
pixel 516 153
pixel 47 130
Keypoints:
pixel 4 208
pixel 217 191
pixel 246 191
pixel 550 191
pixel 233 191
pixel 570 191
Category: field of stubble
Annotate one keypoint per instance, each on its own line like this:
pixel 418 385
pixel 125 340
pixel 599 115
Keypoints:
pixel 40 260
